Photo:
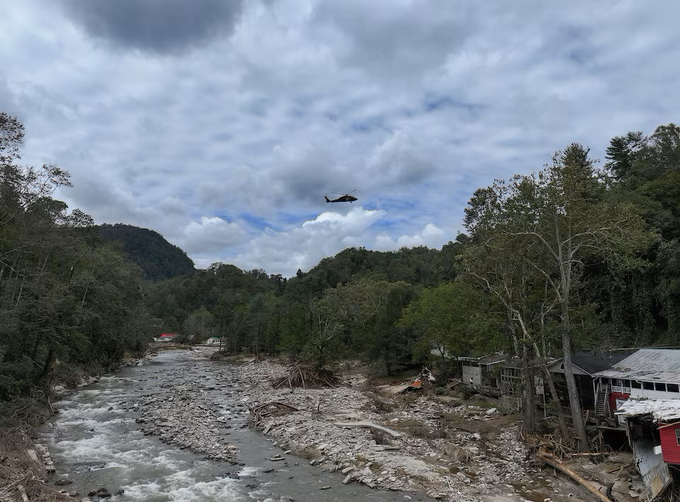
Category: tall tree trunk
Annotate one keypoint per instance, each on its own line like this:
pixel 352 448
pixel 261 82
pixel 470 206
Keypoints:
pixel 553 394
pixel 529 392
pixel 48 365
pixel 574 402
pixel 529 408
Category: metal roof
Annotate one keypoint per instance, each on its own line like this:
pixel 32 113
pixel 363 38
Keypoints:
pixel 590 361
pixel 662 365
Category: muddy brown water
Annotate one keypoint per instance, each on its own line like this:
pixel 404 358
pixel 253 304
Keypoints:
pixel 95 442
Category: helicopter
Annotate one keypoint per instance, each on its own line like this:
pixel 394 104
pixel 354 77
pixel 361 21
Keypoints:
pixel 348 197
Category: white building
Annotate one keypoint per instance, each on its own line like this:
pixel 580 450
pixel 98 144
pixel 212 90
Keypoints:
pixel 648 373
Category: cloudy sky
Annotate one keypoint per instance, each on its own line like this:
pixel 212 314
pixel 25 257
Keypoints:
pixel 221 124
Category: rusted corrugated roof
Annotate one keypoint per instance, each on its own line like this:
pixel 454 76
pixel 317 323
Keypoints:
pixel 647 364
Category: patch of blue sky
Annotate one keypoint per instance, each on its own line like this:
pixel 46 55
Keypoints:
pixel 222 215
pixel 296 218
pixel 370 205
pixel 256 221
pixel 367 125
pixel 384 224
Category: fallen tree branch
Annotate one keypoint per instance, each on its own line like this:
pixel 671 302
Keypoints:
pixel 590 454
pixel 271 409
pixel 555 462
pixel 370 425
pixel 22 492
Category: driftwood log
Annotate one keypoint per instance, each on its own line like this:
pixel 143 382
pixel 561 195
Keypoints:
pixel 22 492
pixel 556 463
pixel 271 409
pixel 370 425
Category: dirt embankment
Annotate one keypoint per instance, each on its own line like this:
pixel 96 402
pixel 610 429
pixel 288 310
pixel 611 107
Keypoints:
pixel 24 466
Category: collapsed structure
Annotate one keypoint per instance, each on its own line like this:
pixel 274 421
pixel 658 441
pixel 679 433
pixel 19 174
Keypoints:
pixel 636 393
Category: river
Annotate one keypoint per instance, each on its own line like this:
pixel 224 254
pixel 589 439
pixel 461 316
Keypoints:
pixel 96 442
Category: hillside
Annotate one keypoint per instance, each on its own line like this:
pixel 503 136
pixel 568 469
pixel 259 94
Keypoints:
pixel 149 250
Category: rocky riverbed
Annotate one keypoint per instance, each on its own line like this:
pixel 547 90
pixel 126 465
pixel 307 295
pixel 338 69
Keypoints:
pixel 446 448
pixel 443 448
pixel 176 429
pixel 180 428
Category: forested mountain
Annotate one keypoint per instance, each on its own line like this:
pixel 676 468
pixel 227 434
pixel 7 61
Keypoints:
pixel 157 258
pixel 267 313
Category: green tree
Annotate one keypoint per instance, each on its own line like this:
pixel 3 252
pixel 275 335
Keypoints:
pixel 451 319
pixel 565 214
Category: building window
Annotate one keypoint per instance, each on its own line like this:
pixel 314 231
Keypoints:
pixel 648 385
pixel 677 437
pixel 635 384
pixel 661 387
pixel 626 383
pixel 672 387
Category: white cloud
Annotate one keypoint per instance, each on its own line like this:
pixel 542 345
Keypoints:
pixel 413 103
pixel 210 235
pixel 430 236
pixel 304 246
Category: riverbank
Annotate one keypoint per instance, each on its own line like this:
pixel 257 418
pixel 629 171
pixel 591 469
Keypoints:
pixel 174 429
pixel 417 445
pixel 444 445
pixel 447 448
pixel 26 465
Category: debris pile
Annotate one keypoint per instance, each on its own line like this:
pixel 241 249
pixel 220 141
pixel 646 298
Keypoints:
pixel 414 441
pixel 302 375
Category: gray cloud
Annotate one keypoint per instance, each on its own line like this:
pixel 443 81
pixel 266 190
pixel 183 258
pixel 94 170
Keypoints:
pixel 7 98
pixel 394 36
pixel 159 26
pixel 228 149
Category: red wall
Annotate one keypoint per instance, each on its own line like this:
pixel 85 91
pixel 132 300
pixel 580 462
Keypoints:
pixel 613 396
pixel 669 445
